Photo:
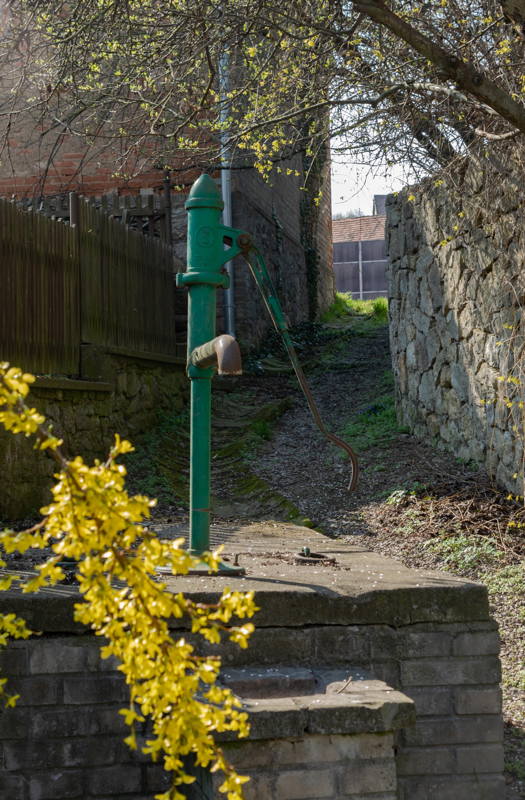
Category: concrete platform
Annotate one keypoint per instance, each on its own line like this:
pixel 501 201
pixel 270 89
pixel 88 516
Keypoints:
pixel 406 638
pixel 352 585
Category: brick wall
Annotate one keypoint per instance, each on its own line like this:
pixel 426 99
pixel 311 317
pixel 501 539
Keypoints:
pixel 27 169
pixel 329 767
pixel 450 670
pixel 64 739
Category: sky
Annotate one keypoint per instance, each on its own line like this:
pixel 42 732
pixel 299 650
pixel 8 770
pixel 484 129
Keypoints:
pixel 354 187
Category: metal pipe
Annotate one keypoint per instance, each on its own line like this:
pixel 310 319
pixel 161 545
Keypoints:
pixel 226 188
pixel 200 460
pixel 360 251
pixel 203 277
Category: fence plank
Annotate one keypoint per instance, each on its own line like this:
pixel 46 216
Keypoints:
pixel 99 282
pixel 39 323
pixel 127 286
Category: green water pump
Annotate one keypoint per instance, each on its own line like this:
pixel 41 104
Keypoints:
pixel 210 246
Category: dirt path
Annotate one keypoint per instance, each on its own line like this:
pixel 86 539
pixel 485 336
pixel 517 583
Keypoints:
pixel 314 474
pixel 413 502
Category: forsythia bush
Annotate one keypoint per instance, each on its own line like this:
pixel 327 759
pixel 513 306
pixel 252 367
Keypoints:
pixel 93 519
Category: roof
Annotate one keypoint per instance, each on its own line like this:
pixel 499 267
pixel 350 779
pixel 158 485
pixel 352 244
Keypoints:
pixel 358 229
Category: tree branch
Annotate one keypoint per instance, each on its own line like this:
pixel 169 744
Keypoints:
pixel 450 67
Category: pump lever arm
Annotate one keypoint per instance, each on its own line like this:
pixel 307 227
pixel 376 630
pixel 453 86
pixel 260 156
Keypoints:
pixel 262 278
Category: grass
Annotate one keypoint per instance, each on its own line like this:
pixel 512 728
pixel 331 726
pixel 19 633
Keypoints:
pixel 377 423
pixel 345 307
pixel 159 465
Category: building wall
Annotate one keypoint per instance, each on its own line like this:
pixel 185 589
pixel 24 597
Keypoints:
pixel 271 214
pixel 360 256
pixel 292 226
pixel 28 170
pixel 457 289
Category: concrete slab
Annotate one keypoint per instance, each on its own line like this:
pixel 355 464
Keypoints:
pixel 351 586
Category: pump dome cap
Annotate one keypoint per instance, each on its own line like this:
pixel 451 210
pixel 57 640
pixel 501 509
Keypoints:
pixel 204 194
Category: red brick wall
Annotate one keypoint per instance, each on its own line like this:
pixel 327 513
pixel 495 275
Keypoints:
pixel 27 170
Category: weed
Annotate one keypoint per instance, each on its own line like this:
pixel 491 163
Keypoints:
pixel 262 429
pixel 387 381
pixel 516 768
pixel 464 552
pixel 508 580
pixel 398 496
pixel 339 309
pixel 468 463
pixel 344 307
pixel 380 308
pixel 375 425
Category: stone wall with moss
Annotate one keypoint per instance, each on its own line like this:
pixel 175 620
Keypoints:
pixel 457 288
pixel 128 397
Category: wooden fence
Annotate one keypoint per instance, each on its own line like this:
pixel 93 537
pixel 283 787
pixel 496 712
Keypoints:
pixel 97 282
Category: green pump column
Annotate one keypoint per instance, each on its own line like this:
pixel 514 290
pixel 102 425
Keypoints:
pixel 206 257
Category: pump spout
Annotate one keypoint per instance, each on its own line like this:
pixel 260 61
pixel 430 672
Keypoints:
pixel 223 352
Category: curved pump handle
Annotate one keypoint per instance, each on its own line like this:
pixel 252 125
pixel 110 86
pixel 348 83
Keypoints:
pixel 264 282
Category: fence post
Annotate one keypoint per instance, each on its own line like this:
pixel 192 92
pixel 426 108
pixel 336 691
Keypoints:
pixel 74 218
pixel 167 207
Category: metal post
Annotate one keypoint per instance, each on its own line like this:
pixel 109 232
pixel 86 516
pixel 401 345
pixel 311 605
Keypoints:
pixel 360 251
pixel 226 188
pixel 73 209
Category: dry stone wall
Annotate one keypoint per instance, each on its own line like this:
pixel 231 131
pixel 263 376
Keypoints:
pixel 128 398
pixel 456 288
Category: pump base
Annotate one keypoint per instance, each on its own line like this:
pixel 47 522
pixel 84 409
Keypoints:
pixel 201 568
